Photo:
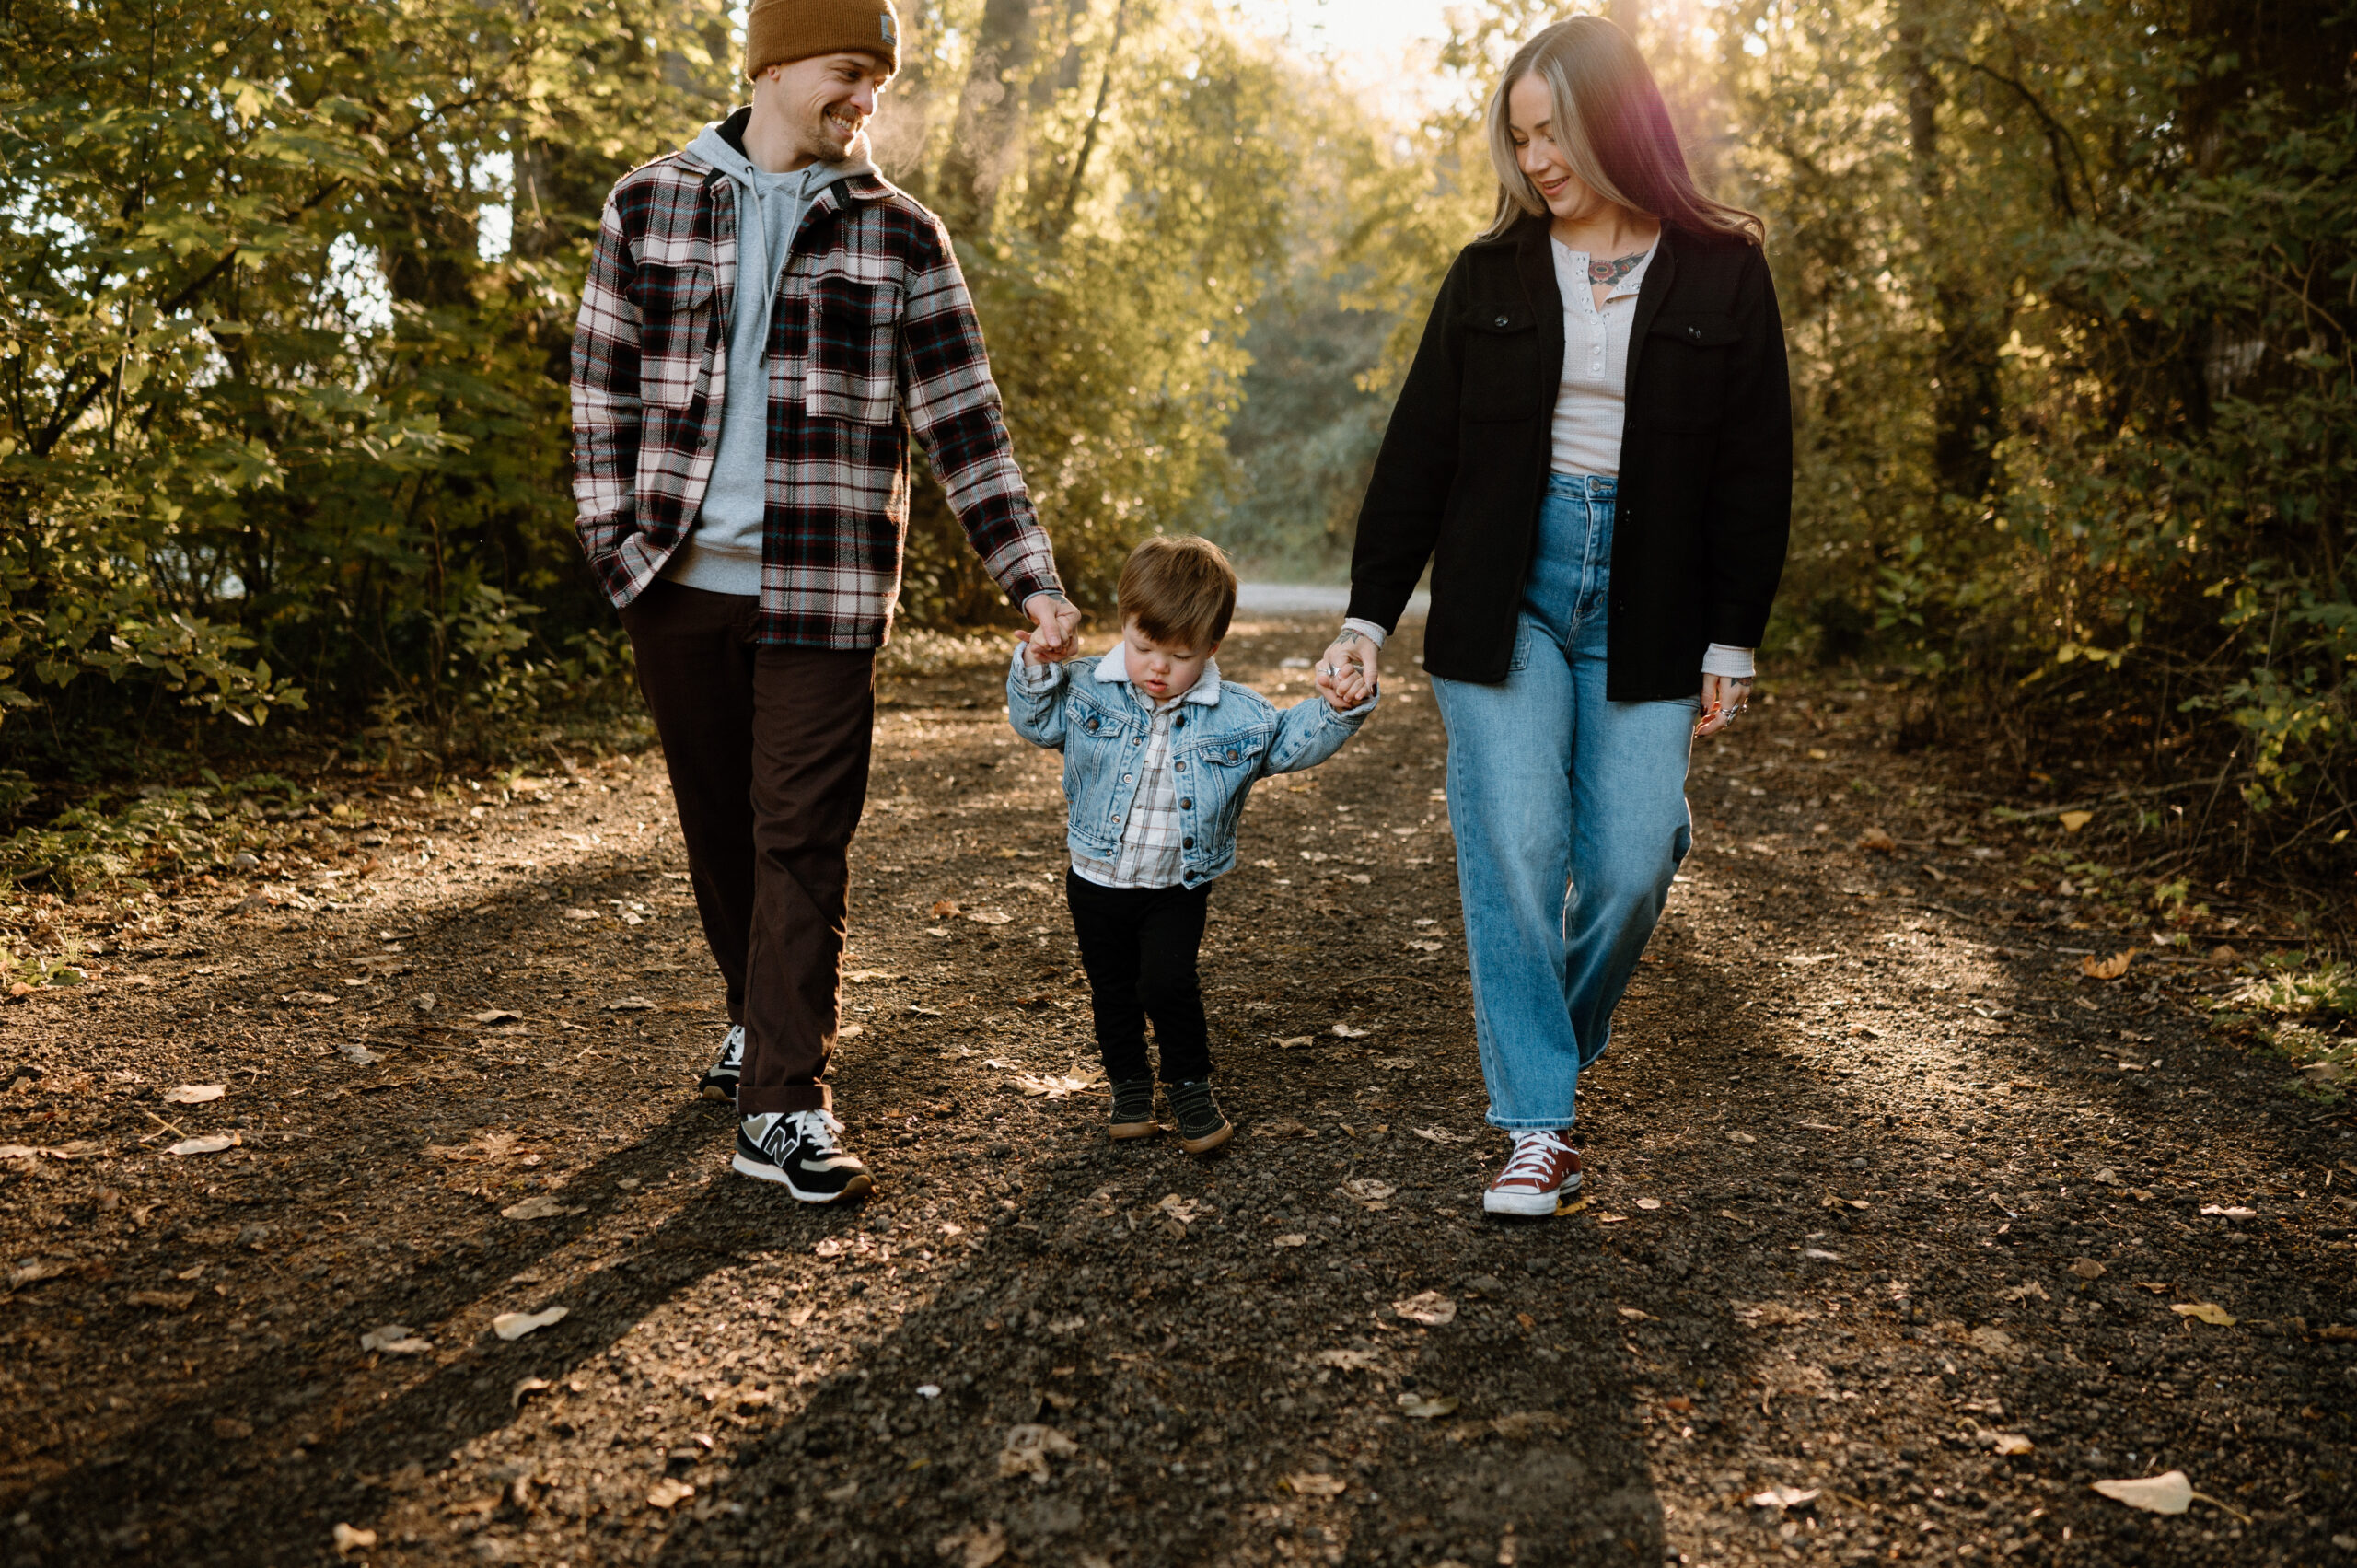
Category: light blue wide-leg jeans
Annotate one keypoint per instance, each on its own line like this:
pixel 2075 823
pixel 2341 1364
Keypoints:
pixel 1569 818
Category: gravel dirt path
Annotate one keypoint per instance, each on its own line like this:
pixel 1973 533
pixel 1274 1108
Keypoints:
pixel 1898 1227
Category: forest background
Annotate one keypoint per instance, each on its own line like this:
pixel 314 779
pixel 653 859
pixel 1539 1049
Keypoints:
pixel 287 298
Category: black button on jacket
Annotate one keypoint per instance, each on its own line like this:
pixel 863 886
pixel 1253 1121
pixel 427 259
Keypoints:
pixel 1706 463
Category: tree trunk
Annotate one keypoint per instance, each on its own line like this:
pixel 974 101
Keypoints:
pixel 986 144
pixel 1965 391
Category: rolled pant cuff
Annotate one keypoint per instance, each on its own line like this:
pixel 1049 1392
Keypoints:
pixel 785 1099
pixel 1530 1123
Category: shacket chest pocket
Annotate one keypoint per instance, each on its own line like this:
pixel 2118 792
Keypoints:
pixel 673 292
pixel 1221 769
pixel 1100 745
pixel 849 371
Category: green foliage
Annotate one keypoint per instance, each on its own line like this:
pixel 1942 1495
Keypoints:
pixel 274 419
pixel 164 833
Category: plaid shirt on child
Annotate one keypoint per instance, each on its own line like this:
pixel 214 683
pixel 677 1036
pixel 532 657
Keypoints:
pixel 874 338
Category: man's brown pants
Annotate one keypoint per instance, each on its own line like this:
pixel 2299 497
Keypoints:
pixel 768 749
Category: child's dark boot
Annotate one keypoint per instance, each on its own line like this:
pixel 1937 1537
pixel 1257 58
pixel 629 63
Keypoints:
pixel 1201 1127
pixel 1133 1109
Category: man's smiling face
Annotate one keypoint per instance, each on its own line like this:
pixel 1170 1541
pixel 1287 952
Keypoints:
pixel 827 99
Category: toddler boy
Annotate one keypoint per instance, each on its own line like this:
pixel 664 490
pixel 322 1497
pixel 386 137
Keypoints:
pixel 1159 755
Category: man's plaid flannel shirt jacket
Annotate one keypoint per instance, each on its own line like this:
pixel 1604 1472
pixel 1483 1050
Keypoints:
pixel 872 320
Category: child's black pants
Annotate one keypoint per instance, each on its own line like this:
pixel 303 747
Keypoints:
pixel 1138 946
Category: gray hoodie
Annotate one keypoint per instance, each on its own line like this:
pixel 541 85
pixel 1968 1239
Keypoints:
pixel 723 553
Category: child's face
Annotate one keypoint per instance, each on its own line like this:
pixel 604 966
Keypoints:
pixel 1159 669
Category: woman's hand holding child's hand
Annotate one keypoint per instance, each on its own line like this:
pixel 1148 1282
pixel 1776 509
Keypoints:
pixel 1346 672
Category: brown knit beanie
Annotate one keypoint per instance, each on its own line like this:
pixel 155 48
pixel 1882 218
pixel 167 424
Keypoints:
pixel 779 32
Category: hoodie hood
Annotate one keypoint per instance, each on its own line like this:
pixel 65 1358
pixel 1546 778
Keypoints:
pixel 722 145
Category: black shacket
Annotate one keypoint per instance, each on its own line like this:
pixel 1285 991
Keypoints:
pixel 1704 505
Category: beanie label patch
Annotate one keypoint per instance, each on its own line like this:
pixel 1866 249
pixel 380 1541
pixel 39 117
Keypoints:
pixel 891 33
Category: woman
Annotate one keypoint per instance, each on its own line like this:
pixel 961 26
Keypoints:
pixel 1593 449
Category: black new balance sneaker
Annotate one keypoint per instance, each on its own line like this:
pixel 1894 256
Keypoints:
pixel 1133 1109
pixel 800 1149
pixel 1201 1127
pixel 719 1080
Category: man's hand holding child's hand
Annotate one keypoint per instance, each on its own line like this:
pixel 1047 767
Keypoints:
pixel 1055 633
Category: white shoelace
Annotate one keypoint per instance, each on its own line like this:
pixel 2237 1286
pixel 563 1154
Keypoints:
pixel 1529 1159
pixel 821 1129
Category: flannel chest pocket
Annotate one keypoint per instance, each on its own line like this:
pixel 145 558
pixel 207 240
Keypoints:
pixel 850 371
pixel 675 317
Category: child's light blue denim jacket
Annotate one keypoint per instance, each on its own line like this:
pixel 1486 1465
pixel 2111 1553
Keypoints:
pixel 1223 740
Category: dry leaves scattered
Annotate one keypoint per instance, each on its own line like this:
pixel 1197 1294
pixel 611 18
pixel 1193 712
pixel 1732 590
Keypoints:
pixel 1029 1448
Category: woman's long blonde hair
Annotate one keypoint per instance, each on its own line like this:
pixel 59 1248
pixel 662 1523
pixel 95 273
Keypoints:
pixel 1614 130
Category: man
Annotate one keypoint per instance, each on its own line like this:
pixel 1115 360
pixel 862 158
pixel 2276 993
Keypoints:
pixel 765 322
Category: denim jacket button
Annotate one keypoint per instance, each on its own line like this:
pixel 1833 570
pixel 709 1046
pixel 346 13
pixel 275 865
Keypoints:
pixel 1092 723
pixel 1178 767
pixel 1186 802
pixel 1186 844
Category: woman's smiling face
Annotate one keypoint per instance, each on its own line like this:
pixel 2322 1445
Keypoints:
pixel 1530 110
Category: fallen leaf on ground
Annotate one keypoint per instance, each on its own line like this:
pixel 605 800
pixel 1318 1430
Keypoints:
pixel 990 917
pixel 632 1005
pixel 359 1055
pixel 1282 1127
pixel 1348 1360
pixel 1181 1210
pixel 395 1339
pixel 1421 1407
pixel 2089 1268
pixel 1056 1085
pixel 1782 1497
pixel 1874 841
pixel 1310 1484
pixel 2235 1213
pixel 33 1272
pixel 495 1016
pixel 1029 1448
pixel 350 1539
pixel 515 1325
pixel 1289 1241
pixel 1742 1138
pixel 170 1300
pixel 1636 1315
pixel 1346 1032
pixel 194 1094
pixel 2106 969
pixel 2168 1492
pixel 2012 1443
pixel 669 1493
pixel 526 1385
pixel 870 977
pixel 2074 821
pixel 2207 1312
pixel 946 908
pixel 1572 1206
pixel 976 1546
pixel 1649 1203
pixel 310 998
pixel 547 1206
pixel 1429 1307
pixel 1438 1135
pixel 230 1429
pixel 209 1143
pixel 2024 1291
pixel 1367 1190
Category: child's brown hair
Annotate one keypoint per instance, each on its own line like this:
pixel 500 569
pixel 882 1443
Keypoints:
pixel 1180 589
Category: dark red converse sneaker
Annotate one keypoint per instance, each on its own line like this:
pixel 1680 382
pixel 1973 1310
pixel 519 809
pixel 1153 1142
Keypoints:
pixel 1543 1171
